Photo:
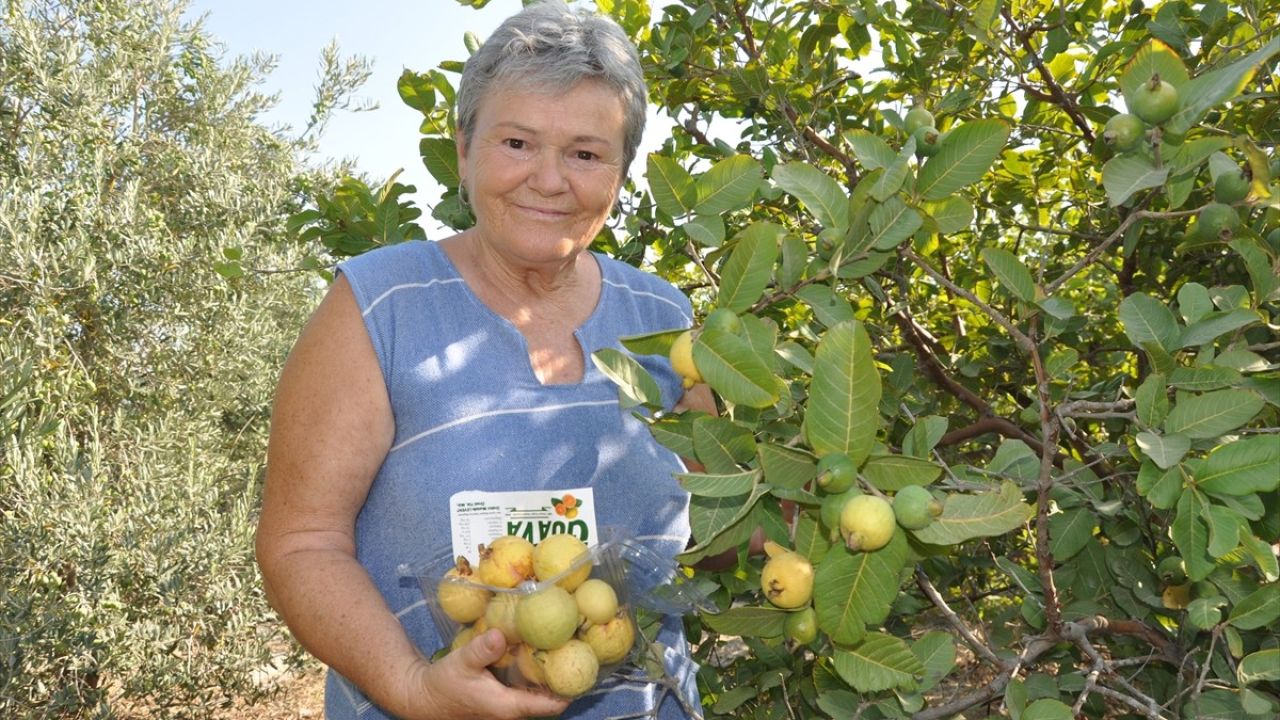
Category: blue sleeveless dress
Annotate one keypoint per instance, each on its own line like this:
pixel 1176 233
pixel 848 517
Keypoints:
pixel 471 415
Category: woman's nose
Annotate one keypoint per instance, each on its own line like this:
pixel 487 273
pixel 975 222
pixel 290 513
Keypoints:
pixel 548 175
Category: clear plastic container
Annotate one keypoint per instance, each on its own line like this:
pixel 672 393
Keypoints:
pixel 613 643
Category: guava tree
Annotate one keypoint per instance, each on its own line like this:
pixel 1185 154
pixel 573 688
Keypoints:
pixel 988 297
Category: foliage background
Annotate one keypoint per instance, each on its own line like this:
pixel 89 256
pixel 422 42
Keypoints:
pixel 1034 328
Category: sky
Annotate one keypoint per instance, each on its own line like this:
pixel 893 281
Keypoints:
pixel 394 34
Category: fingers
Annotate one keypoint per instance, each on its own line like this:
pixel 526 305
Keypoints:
pixel 484 650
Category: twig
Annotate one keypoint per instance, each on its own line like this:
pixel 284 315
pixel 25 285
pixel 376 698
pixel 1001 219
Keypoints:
pixel 954 620
pixel 1019 337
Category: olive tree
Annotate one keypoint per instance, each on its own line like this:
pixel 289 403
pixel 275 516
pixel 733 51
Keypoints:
pixel 988 295
pixel 142 227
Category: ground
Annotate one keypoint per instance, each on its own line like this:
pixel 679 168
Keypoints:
pixel 299 696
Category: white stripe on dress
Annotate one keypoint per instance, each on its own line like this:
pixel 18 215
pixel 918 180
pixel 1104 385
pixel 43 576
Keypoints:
pixel 493 413
pixel 406 286
pixel 633 291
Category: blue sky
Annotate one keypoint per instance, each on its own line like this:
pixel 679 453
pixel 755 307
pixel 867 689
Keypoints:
pixel 394 34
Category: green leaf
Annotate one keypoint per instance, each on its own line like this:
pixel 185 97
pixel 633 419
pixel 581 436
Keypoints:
pixel 671 185
pixel 1212 414
pixel 830 307
pixel 892 222
pixel 712 517
pixel 854 590
pixel 729 185
pixel 416 91
pixel 1146 319
pixel 1257 261
pixel 1012 274
pixel 635 385
pixel 1165 450
pixel 1152 401
pixel 1205 92
pixel 747 272
pixel 951 214
pixel 844 396
pixel 890 473
pixel 732 368
pixel 1242 467
pixel 440 156
pixel 1191 534
pixel 1154 58
pixel 964 155
pixel 1201 379
pixel 879 662
pixel 1259 666
pixel 1048 709
pixel 965 517
pixel 1260 551
pixel 719 486
pixel 1070 531
pixel 706 230
pixel 1214 326
pixel 722 445
pixel 1124 175
pixel 923 437
pixel 873 152
pixel 1224 529
pixel 890 181
pixel 784 467
pixel 821 194
pixel 748 621
pixel 1258 609
pixel 937 653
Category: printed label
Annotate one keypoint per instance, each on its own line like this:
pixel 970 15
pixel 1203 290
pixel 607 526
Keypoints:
pixel 477 517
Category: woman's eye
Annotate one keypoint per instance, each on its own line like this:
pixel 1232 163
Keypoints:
pixel 515 143
pixel 585 155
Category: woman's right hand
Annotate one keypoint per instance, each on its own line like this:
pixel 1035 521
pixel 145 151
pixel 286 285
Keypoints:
pixel 460 685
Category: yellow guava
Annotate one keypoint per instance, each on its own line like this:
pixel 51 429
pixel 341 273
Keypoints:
pixel 529 663
pixel 501 614
pixel 459 597
pixel 681 355
pixel 611 641
pixel 555 555
pixel 867 523
pixel 571 669
pixel 547 618
pixel 787 577
pixel 506 562
pixel 597 601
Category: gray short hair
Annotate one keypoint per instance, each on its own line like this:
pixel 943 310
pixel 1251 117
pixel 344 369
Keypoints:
pixel 548 46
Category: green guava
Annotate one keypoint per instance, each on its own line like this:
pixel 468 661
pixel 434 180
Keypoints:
pixel 915 508
pixel 723 319
pixel 916 118
pixel 1124 132
pixel 548 618
pixel 928 141
pixel 1171 571
pixel 1217 221
pixel 1155 101
pixel 836 472
pixel 802 626
pixel 1231 187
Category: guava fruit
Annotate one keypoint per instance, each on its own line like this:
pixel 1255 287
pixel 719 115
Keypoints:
pixel 1217 221
pixel 597 601
pixel 832 506
pixel 1124 132
pixel 836 472
pixel 501 614
pixel 681 355
pixel 802 626
pixel 1155 101
pixel 928 141
pixel 1231 187
pixel 1171 571
pixel 529 663
pixel 611 641
pixel 915 508
pixel 556 554
pixel 506 562
pixel 1176 597
pixel 787 577
pixel 459 597
pixel 723 319
pixel 571 669
pixel 867 523
pixel 547 618
pixel 916 118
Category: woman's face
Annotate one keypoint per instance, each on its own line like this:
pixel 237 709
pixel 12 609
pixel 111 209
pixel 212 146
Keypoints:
pixel 543 169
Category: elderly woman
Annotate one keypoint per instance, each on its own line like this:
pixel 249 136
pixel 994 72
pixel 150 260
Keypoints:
pixel 463 364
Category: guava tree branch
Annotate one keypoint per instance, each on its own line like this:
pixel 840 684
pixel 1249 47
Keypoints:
pixel 1050 427
pixel 1093 255
pixel 1057 95
pixel 963 630
pixel 1021 338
